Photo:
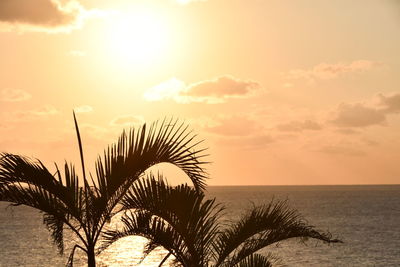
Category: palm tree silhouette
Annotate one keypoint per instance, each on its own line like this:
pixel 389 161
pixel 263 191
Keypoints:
pixel 86 209
pixel 187 225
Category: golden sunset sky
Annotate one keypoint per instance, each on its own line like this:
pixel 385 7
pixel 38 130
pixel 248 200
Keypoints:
pixel 282 91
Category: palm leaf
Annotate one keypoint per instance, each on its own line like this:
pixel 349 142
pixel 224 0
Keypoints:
pixel 255 260
pixel 156 230
pixel 179 211
pixel 263 226
pixel 126 161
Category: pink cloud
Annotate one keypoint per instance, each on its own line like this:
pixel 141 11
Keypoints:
pixel 358 115
pixel 212 91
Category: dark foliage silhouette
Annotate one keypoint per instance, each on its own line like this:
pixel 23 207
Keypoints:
pixel 189 227
pixel 85 205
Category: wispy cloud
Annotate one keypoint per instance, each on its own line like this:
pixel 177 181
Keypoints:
pixel 358 115
pixel 390 103
pixel 365 114
pixel 33 114
pixel 127 120
pixel 43 15
pixel 43 111
pixel 14 95
pixel 212 91
pixel 237 132
pixel 330 71
pixel 83 109
pixel 97 132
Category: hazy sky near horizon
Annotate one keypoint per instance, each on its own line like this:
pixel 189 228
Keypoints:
pixel 282 91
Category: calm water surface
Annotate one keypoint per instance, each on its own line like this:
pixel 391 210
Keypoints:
pixel 366 218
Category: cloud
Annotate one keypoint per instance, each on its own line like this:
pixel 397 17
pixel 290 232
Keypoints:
pixel 391 103
pixel 14 95
pixel 213 91
pixel 169 89
pixel 34 114
pixel 221 87
pixel 127 120
pixel 44 111
pixel 42 15
pixel 330 71
pixel 363 114
pixel 96 132
pixel 358 115
pixel 299 126
pixel 83 109
pixel 237 132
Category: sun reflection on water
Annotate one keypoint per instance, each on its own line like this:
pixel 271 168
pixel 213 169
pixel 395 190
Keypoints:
pixel 128 251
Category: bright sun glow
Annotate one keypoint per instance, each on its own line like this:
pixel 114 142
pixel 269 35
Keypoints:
pixel 139 38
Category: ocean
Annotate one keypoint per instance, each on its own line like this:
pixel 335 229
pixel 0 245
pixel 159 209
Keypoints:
pixel 366 218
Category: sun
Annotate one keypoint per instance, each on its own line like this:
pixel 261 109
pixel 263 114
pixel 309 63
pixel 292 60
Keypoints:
pixel 138 38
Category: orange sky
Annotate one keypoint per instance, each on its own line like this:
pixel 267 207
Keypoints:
pixel 282 91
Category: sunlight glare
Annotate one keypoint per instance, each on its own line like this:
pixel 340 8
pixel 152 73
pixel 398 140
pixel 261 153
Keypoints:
pixel 139 38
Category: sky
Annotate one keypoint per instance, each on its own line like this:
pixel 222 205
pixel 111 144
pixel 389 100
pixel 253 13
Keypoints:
pixel 283 92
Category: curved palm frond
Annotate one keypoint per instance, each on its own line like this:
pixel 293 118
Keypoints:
pixel 263 226
pixel 255 260
pixel 156 230
pixel 190 218
pixel 182 207
pixel 20 169
pixel 135 152
pixel 27 182
pixel 126 161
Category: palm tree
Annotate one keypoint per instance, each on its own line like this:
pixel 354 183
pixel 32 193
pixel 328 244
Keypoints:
pixel 186 224
pixel 85 205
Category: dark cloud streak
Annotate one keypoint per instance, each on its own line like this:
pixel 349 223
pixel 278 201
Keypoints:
pixel 40 14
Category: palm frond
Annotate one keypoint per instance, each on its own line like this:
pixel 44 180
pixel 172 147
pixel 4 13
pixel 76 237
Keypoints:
pixel 19 169
pixel 263 226
pixel 56 227
pixel 156 230
pixel 255 260
pixel 183 208
pixel 135 152
pixel 125 162
pixel 34 196
pixel 24 181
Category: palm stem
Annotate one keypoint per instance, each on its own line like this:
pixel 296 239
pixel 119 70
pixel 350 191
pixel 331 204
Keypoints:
pixel 164 259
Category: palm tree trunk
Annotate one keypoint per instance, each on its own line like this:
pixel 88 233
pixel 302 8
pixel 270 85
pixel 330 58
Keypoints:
pixel 91 259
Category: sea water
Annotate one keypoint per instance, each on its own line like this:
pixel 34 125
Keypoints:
pixel 365 218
